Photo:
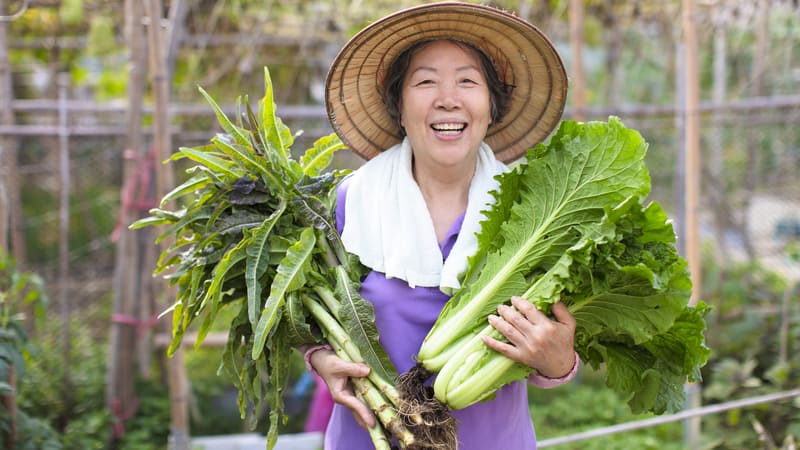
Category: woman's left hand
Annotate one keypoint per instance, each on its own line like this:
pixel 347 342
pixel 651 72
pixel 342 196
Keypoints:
pixel 537 341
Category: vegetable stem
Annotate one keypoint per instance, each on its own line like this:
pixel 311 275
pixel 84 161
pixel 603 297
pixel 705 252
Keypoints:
pixel 383 408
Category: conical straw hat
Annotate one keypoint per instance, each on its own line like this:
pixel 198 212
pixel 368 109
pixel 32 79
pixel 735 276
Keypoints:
pixel 522 55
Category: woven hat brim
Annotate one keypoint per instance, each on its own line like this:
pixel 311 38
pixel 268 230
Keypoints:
pixel 523 56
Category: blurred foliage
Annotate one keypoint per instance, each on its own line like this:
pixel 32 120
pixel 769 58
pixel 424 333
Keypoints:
pixel 555 413
pixel 87 424
pixel 21 293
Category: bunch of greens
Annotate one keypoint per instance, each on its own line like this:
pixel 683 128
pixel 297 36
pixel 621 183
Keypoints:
pixel 568 226
pixel 257 232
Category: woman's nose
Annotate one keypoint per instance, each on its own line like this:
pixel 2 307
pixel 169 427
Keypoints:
pixel 448 98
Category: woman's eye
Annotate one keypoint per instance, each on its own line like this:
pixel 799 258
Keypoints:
pixel 421 82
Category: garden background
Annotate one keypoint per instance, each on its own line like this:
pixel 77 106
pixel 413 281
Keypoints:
pixel 95 93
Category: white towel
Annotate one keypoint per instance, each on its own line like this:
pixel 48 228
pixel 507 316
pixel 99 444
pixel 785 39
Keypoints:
pixel 389 228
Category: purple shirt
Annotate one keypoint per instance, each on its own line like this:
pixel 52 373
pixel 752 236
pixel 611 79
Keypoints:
pixel 404 315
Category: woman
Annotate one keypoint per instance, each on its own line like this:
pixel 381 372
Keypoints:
pixel 435 97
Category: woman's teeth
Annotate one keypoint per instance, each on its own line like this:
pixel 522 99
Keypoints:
pixel 448 128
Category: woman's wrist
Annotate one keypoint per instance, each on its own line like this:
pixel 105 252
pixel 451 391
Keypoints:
pixel 309 351
pixel 546 382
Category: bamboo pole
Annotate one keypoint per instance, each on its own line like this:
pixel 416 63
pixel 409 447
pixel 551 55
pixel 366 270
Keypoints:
pixel 178 385
pixel 127 290
pixel 692 145
pixel 288 112
pixel 692 190
pixel 7 149
pixel 63 239
pixel 578 83
pixel 12 236
pixel 6 118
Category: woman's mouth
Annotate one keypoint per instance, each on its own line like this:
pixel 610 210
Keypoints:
pixel 449 129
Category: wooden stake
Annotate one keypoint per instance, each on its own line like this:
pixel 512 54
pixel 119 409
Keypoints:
pixel 120 388
pixel 692 190
pixel 578 78
pixel 63 238
pixel 178 385
pixel 6 118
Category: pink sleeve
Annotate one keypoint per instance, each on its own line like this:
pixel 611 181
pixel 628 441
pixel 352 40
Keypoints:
pixel 544 382
pixel 308 350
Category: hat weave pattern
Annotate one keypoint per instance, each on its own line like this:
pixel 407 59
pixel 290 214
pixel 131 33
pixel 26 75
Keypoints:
pixel 522 55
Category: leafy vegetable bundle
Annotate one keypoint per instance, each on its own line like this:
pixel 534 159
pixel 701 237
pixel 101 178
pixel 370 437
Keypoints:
pixel 257 233
pixel 568 226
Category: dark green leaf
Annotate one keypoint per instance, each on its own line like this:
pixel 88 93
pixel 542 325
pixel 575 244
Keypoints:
pixel 291 267
pixel 257 261
pixel 358 318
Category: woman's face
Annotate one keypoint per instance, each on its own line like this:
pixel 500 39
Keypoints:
pixel 445 106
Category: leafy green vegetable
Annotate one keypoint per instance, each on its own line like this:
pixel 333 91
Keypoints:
pixel 568 226
pixel 257 233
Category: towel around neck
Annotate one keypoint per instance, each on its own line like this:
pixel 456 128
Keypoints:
pixel 389 227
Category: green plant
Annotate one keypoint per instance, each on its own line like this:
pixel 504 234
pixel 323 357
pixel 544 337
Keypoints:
pixel 555 414
pixel 19 292
pixel 257 233
pixel 568 226
pixel 746 330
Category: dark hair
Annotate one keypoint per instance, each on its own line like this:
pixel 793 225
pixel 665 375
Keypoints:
pixel 499 91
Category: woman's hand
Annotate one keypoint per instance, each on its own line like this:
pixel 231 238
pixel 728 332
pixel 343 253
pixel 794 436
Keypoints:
pixel 337 373
pixel 537 341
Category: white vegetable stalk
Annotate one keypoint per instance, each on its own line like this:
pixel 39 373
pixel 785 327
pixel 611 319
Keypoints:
pixel 568 226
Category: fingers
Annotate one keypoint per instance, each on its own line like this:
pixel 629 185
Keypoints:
pixel 361 411
pixel 562 314
pixel 528 309
pixel 337 374
pixel 534 339
pixel 503 348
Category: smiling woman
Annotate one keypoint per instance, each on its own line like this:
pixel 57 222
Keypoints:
pixel 437 97
pixel 445 110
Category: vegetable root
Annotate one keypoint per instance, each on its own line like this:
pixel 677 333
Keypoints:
pixel 428 418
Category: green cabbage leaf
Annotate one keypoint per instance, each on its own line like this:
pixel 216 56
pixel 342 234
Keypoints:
pixel 568 225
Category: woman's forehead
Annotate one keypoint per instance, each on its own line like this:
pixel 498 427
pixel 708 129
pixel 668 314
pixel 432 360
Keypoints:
pixel 446 46
pixel 434 54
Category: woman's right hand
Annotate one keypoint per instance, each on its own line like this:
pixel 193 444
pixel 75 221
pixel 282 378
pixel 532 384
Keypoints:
pixel 337 373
